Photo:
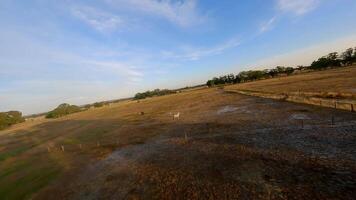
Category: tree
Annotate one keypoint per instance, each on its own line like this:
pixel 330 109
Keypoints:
pixel 98 104
pixel 10 118
pixel 273 72
pixel 289 70
pixel 348 56
pixel 62 110
pixel 210 83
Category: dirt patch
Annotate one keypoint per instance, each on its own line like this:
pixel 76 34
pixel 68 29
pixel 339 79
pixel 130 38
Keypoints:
pixel 299 116
pixel 226 109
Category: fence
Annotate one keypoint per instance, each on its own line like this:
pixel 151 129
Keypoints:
pixel 308 98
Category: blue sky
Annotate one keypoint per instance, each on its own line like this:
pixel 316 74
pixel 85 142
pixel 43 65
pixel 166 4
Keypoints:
pixel 85 51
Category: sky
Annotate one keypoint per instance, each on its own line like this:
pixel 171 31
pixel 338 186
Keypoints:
pixel 83 51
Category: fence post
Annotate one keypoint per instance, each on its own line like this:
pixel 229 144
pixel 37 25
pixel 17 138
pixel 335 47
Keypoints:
pixel 302 123
pixel 332 120
pixel 62 147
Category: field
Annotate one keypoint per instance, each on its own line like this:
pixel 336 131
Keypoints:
pixel 224 146
pixel 339 80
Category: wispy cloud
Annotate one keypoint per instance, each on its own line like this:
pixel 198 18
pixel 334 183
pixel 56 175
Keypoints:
pixel 196 53
pixel 183 13
pixel 102 21
pixel 130 72
pixel 298 7
pixel 268 25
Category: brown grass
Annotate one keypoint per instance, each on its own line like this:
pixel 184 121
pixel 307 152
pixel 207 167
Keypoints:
pixel 236 147
pixel 340 80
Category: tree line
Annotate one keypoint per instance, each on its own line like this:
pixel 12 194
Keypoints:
pixel 346 58
pixel 156 92
pixel 66 109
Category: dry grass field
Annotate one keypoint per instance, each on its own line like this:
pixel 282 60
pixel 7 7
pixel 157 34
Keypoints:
pixel 224 146
pixel 339 80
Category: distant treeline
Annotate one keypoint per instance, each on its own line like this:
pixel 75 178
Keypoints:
pixel 66 109
pixel 9 118
pixel 331 60
pixel 156 92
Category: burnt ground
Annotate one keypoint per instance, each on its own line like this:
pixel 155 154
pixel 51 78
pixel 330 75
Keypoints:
pixel 233 147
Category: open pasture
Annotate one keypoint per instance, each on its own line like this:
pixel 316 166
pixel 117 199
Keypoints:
pixel 223 146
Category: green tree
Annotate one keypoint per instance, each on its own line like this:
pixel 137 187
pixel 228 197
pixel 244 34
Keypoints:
pixel 62 110
pixel 348 56
pixel 9 118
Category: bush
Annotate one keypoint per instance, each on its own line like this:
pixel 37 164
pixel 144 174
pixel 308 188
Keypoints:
pixel 9 118
pixel 62 110
pixel 98 104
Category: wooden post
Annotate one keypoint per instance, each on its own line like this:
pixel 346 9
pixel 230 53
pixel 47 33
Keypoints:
pixel 352 108
pixel 80 146
pixel 302 123
pixel 62 147
pixel 48 149
pixel 335 105
pixel 332 120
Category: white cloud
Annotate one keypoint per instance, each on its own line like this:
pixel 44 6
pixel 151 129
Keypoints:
pixel 194 53
pixel 298 7
pixel 130 72
pixel 38 76
pixel 183 13
pixel 100 20
pixel 266 26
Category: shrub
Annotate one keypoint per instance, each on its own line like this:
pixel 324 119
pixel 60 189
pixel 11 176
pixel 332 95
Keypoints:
pixel 98 104
pixel 62 110
pixel 9 118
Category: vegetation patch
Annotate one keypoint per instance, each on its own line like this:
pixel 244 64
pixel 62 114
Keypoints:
pixel 14 152
pixel 23 187
pixel 62 110
pixel 9 118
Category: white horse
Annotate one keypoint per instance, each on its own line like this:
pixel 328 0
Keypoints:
pixel 176 116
